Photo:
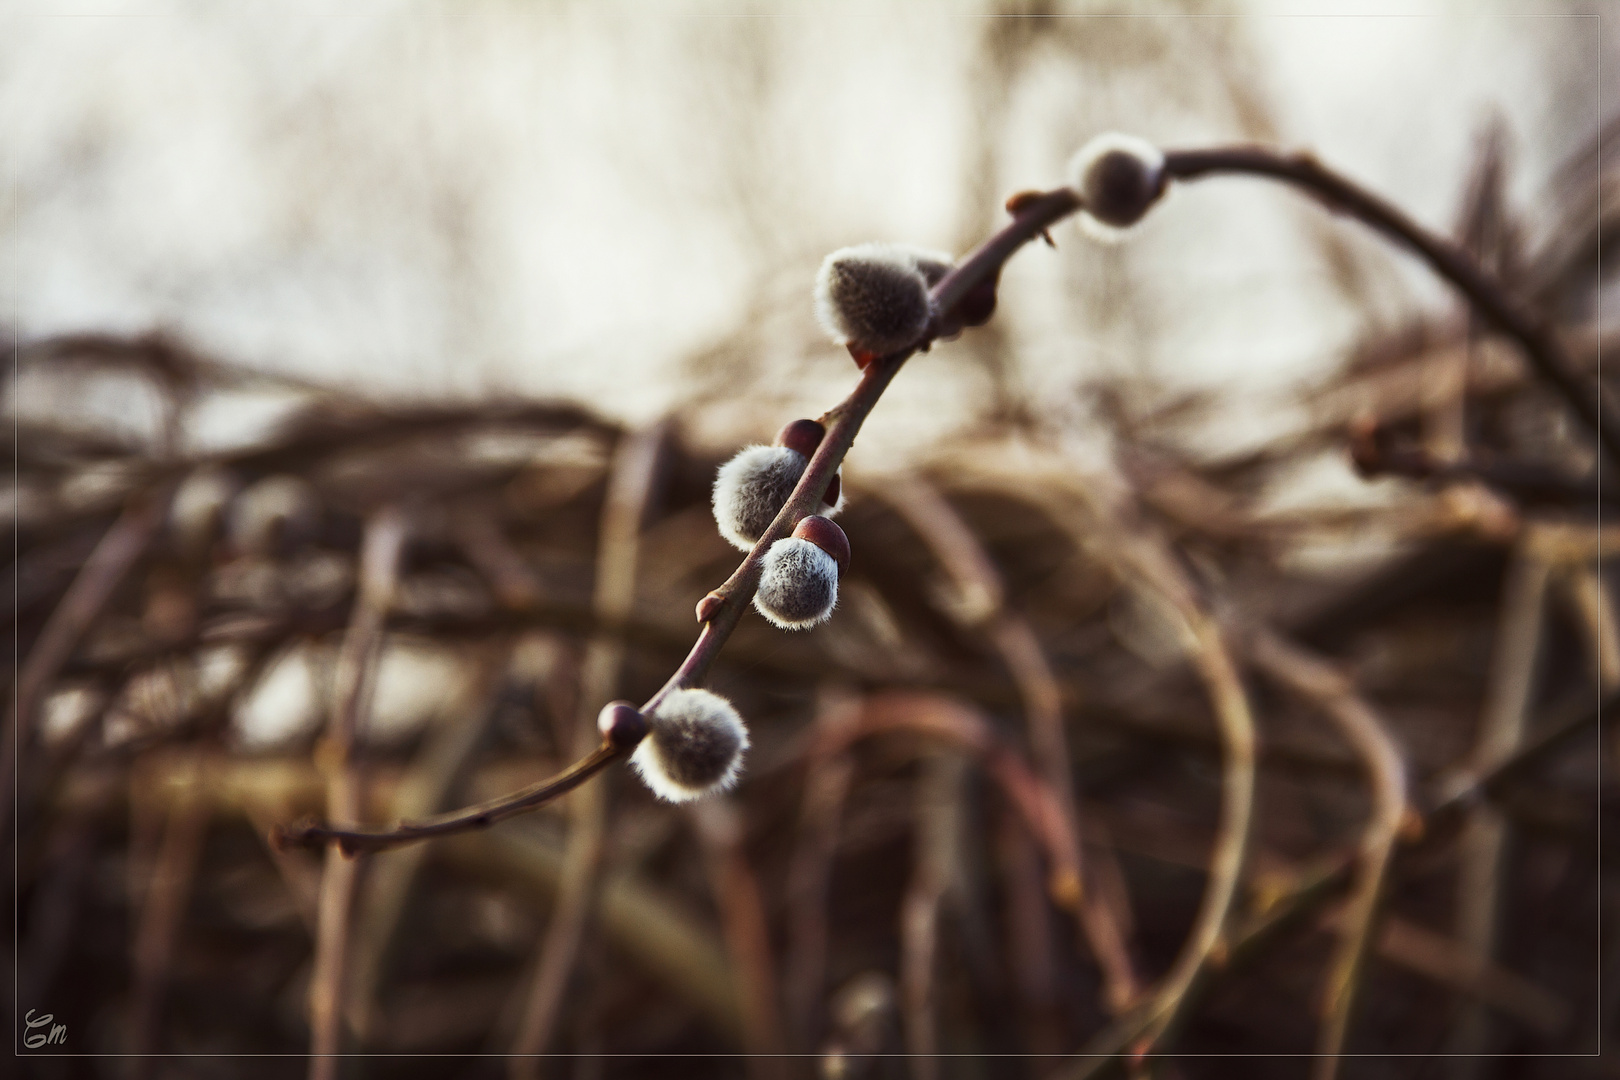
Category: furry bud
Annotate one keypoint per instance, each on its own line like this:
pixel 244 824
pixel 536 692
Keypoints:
pixel 694 746
pixel 1118 177
pixel 621 725
pixel 873 298
pixel 751 489
pixel 798 584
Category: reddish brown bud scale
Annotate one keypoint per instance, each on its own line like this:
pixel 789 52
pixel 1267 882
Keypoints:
pixel 1020 201
pixel 979 304
pixel 621 724
pixel 826 535
pixel 802 435
pixel 709 607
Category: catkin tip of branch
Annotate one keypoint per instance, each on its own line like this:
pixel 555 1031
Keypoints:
pixel 1118 178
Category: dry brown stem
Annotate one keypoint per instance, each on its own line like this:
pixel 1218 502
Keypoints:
pixel 92 587
pixel 826 784
pixel 1514 662
pixel 631 486
pixel 957 723
pixel 162 911
pixel 1317 680
pixel 934 866
pixel 382 548
pixel 1543 349
pixel 980 605
pixel 747 933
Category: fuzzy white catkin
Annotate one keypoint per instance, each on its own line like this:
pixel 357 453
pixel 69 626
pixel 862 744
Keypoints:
pixel 873 297
pixel 694 746
pixel 1118 177
pixel 751 489
pixel 798 584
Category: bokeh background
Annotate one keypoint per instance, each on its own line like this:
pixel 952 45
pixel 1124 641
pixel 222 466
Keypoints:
pixel 526 273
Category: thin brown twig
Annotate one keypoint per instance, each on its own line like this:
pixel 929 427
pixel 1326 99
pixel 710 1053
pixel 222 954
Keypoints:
pixel 937 836
pixel 162 912
pixel 955 722
pixel 743 921
pixel 468 819
pixel 1435 956
pixel 826 784
pixel 90 591
pixel 424 787
pixel 1136 554
pixel 1144 557
pixel 631 486
pixel 1543 349
pixel 1508 694
pixel 381 549
pixel 1595 616
pixel 1334 694
pixel 980 604
pixel 1031 943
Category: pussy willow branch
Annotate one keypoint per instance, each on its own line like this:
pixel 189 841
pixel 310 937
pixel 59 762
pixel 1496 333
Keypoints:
pixel 843 423
pixel 1543 349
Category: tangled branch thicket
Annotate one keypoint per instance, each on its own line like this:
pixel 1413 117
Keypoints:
pixel 1089 771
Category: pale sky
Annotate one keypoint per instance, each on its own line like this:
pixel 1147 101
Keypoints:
pixel 550 200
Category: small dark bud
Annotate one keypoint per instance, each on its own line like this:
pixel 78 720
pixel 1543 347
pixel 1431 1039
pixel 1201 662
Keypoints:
pixel 802 435
pixel 873 299
pixel 979 304
pixel 694 745
pixel 621 724
pixel 1020 201
pixel 1118 177
pixel 826 535
pixel 1365 454
pixel 709 607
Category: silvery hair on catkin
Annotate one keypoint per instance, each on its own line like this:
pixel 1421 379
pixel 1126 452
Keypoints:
pixel 694 746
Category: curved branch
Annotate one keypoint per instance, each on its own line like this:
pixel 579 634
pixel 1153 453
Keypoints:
pixel 1332 692
pixel 1545 353
pixel 459 821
